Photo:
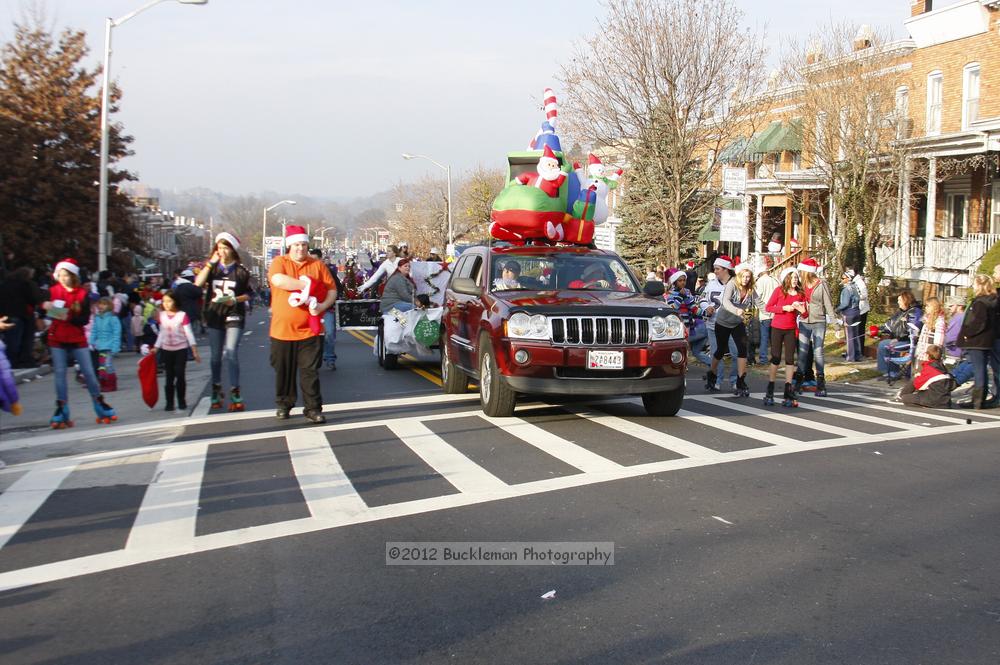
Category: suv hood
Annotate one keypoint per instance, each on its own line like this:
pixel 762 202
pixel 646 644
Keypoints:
pixel 584 303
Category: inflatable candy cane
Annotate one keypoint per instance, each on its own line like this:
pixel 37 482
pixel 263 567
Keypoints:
pixel 547 134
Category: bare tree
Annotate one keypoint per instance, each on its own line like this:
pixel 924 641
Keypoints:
pixel 474 202
pixel 664 82
pixel 854 126
pixel 422 217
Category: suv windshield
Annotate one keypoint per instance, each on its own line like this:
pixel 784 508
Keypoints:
pixel 545 272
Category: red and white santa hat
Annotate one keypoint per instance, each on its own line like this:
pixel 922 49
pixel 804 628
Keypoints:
pixel 233 241
pixel 294 234
pixel 548 154
pixel 809 265
pixel 67 264
pixel 593 159
pixel 689 265
pixel 680 274
pixel 723 261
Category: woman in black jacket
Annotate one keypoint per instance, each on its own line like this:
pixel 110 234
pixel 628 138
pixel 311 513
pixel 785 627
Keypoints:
pixel 977 335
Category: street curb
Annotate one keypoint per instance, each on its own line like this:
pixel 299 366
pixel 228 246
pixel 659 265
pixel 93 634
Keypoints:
pixel 26 375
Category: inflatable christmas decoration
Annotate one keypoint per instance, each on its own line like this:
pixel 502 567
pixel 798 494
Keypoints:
pixel 546 198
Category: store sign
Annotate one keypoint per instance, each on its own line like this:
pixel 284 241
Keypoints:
pixel 734 182
pixel 733 226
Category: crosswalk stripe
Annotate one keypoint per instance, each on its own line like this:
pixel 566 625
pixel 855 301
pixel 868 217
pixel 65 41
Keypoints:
pixel 20 501
pixel 971 412
pixel 731 427
pixel 787 417
pixel 897 410
pixel 648 434
pixel 865 417
pixel 553 445
pixel 467 476
pixel 325 486
pixel 169 511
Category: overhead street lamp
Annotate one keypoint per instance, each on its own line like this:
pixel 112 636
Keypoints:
pixel 322 233
pixel 263 229
pixel 447 170
pixel 102 214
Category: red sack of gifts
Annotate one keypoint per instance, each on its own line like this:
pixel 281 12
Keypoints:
pixel 147 379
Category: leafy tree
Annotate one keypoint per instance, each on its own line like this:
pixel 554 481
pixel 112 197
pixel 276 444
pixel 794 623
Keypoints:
pixel 50 113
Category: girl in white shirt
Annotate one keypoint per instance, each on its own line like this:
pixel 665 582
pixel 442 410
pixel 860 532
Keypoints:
pixel 173 342
pixel 384 270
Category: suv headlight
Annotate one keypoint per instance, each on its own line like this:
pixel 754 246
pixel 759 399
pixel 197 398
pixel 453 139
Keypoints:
pixel 666 327
pixel 527 326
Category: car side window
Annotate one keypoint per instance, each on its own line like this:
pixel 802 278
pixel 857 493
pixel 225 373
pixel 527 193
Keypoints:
pixel 475 269
pixel 459 266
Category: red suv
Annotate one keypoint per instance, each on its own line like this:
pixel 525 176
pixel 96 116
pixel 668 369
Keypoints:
pixel 559 320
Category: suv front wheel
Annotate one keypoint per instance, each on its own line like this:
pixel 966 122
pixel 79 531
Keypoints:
pixel 665 403
pixel 496 397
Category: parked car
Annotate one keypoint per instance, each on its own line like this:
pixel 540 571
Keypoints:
pixel 556 321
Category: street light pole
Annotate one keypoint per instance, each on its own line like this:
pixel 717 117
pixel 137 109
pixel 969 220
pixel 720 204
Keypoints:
pixel 447 170
pixel 102 203
pixel 263 229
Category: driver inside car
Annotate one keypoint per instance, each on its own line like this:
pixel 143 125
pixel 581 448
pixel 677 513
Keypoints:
pixel 509 277
pixel 592 277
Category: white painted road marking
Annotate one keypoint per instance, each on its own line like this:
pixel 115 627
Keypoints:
pixel 166 521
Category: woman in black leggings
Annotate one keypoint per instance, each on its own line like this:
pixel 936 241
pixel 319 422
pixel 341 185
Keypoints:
pixel 738 301
pixel 786 303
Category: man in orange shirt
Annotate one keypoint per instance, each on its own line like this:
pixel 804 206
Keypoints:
pixel 295 347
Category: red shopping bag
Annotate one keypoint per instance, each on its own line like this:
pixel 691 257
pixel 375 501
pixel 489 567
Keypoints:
pixel 147 379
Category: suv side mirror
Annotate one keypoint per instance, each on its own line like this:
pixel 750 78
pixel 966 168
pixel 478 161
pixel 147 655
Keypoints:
pixel 465 285
pixel 653 289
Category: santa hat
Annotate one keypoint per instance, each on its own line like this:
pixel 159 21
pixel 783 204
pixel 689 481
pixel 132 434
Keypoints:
pixel 547 153
pixel 294 234
pixel 233 241
pixel 689 265
pixel 67 264
pixel 785 273
pixel 849 274
pixel 680 274
pixel 723 261
pixel 592 159
pixel 809 265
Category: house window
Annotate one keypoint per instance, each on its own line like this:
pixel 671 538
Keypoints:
pixel 902 113
pixel 935 87
pixel 970 94
pixel 956 214
pixel 995 209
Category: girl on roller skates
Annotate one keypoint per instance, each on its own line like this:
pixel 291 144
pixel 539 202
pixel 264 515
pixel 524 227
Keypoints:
pixel 228 284
pixel 738 301
pixel 175 338
pixel 69 309
pixel 786 303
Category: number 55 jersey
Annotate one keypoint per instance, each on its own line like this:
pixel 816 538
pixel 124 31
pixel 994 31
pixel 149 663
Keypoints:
pixel 225 284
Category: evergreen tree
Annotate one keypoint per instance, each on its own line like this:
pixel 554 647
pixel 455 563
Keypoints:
pixel 50 131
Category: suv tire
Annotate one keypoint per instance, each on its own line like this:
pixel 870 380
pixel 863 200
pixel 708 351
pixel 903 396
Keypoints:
pixel 666 403
pixel 453 380
pixel 495 397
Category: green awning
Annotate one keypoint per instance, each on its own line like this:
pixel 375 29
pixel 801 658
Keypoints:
pixel 710 229
pixel 761 138
pixel 778 137
pixel 735 152
pixel 143 263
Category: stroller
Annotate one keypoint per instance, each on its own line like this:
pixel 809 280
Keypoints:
pixel 900 359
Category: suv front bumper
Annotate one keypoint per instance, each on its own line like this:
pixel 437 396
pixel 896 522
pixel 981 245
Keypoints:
pixel 552 370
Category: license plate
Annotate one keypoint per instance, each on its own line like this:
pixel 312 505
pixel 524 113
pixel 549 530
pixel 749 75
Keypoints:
pixel 605 359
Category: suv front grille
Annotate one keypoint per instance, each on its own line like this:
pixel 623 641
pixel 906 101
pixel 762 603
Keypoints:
pixel 599 330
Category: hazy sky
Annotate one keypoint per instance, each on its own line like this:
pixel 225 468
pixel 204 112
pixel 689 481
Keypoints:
pixel 320 97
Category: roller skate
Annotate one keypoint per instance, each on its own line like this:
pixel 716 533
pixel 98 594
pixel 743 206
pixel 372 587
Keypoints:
pixel 60 419
pixel 235 401
pixel 789 398
pixel 769 396
pixel 216 396
pixel 105 414
pixel 741 389
pixel 820 385
pixel 711 382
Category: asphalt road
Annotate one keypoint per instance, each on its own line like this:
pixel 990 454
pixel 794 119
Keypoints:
pixel 846 531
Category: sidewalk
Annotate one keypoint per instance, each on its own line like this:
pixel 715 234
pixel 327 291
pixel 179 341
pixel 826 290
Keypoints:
pixel 38 398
